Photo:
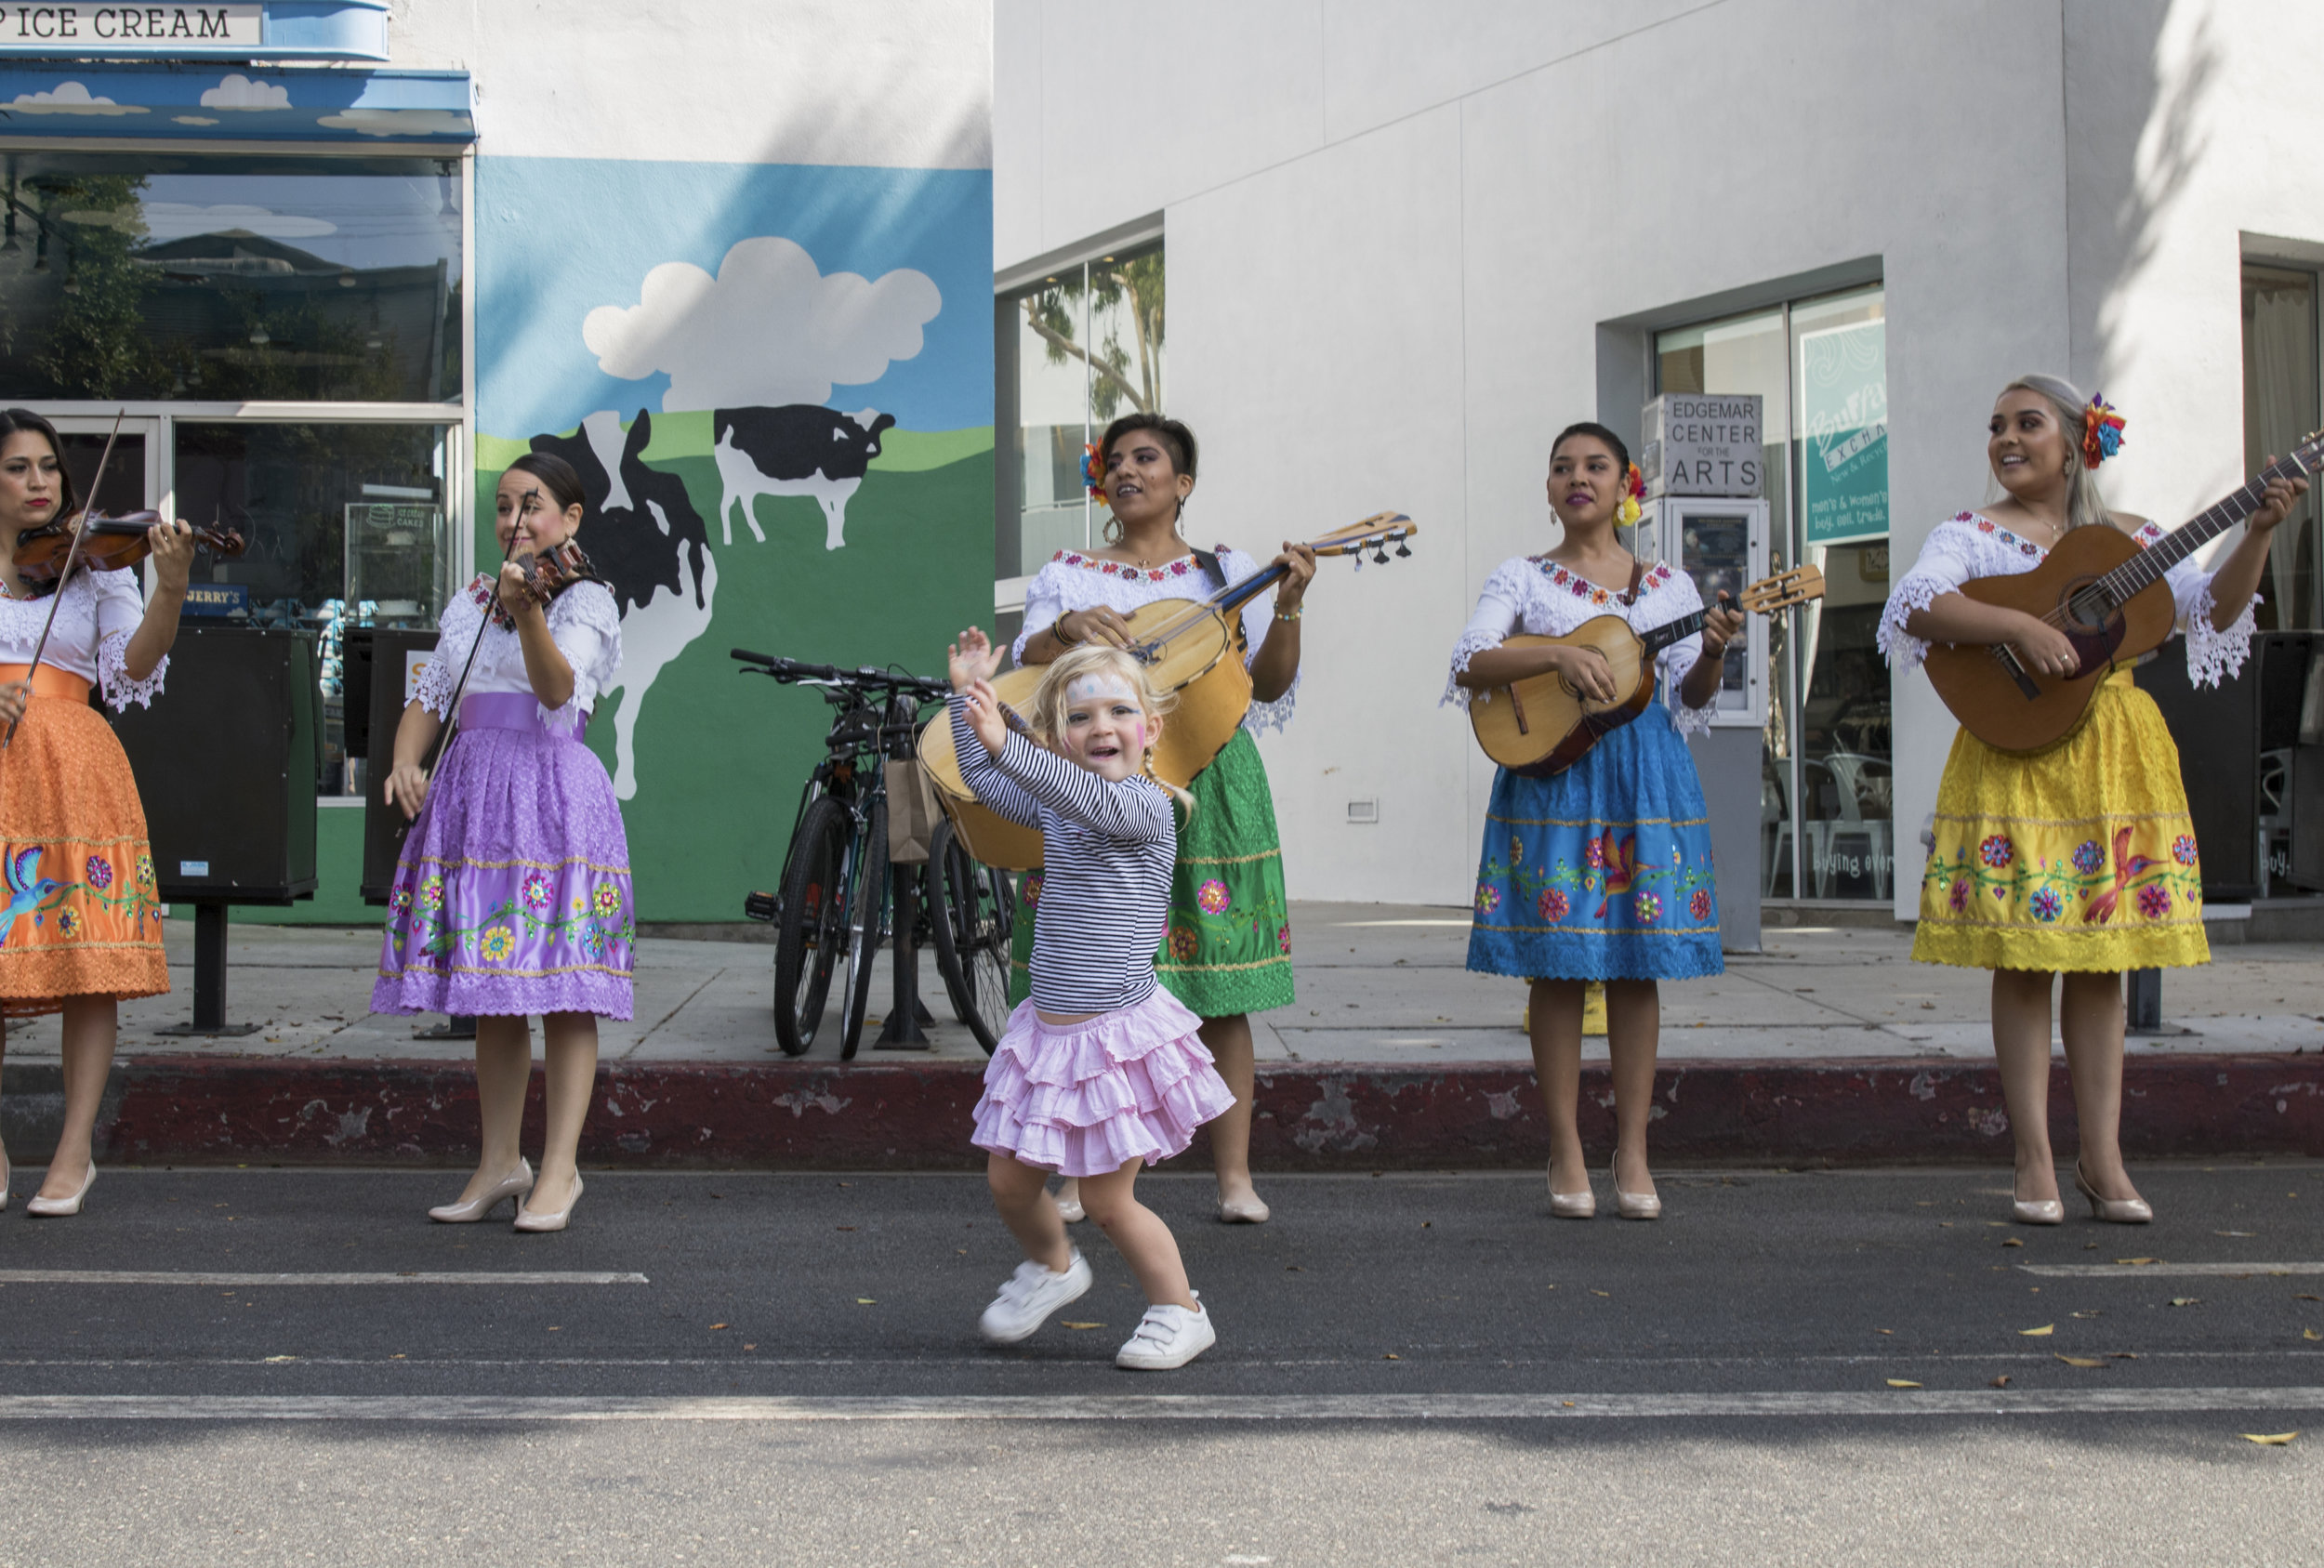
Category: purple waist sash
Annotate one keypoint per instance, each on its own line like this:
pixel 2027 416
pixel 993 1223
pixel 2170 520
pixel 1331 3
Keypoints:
pixel 513 710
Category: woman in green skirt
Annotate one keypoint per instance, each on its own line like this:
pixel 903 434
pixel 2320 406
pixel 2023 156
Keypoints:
pixel 1227 952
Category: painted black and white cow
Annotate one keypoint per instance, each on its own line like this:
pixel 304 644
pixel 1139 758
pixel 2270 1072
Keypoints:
pixel 799 449
pixel 652 548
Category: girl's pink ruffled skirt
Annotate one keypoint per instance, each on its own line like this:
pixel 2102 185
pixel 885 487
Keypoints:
pixel 1085 1098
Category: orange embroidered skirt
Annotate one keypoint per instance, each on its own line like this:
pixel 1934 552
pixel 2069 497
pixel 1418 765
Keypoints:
pixel 78 913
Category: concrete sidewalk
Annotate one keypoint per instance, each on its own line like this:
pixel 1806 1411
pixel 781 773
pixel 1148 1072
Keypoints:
pixel 1378 984
pixel 1830 1046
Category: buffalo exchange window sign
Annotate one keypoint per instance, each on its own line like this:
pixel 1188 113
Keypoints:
pixel 122 30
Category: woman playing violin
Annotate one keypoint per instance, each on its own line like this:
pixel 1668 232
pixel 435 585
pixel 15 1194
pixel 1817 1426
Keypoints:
pixel 80 925
pixel 512 893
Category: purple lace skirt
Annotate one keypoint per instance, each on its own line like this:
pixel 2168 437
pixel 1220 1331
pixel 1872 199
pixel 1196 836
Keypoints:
pixel 512 894
pixel 1085 1098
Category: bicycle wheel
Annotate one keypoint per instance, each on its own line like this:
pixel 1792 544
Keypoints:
pixel 812 930
pixel 972 911
pixel 867 924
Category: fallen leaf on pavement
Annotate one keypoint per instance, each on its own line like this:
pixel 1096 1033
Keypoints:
pixel 2013 1242
pixel 1071 1325
pixel 868 1301
pixel 2186 1300
pixel 2000 1382
pixel 1883 1331
pixel 274 1360
pixel 2080 1361
pixel 2304 1297
pixel 1392 1356
pixel 2134 1262
pixel 1606 1293
pixel 718 1325
pixel 2037 1333
pixel 2091 1313
pixel 1902 1383
pixel 2270 1440
pixel 2310 1333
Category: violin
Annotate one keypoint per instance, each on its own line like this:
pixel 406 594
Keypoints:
pixel 107 544
pixel 550 571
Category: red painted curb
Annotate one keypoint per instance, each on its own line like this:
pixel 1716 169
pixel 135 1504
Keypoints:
pixel 192 1111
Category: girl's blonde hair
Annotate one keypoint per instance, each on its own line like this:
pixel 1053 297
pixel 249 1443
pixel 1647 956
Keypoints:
pixel 1050 705
pixel 2084 505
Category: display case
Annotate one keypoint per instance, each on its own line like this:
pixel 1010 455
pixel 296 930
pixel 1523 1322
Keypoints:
pixel 1722 542
pixel 397 561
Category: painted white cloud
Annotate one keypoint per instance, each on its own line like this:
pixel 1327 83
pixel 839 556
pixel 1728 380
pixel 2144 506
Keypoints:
pixel 193 119
pixel 71 97
pixel 770 329
pixel 398 122
pixel 238 91
pixel 175 221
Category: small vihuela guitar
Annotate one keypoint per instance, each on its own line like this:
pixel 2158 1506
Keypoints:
pixel 1191 647
pixel 1541 726
pixel 2109 598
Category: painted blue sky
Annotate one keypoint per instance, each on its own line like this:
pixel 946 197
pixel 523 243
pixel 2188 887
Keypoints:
pixel 558 238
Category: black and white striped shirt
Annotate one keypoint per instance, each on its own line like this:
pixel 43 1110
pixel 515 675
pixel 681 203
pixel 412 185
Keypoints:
pixel 1105 884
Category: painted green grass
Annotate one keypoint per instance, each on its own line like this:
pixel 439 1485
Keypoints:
pixel 687 434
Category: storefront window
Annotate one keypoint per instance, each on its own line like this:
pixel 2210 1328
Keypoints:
pixel 1086 348
pixel 346 525
pixel 1819 367
pixel 2279 409
pixel 230 278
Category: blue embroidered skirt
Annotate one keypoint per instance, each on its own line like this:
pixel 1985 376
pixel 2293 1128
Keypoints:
pixel 1603 871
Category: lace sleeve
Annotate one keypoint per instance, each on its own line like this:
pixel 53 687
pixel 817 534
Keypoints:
pixel 584 623
pixel 1680 659
pixel 431 689
pixel 2212 655
pixel 1044 602
pixel 1499 611
pixel 1940 568
pixel 1258 624
pixel 116 612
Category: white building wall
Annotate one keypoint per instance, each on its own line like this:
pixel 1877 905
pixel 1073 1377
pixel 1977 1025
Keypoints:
pixel 1396 230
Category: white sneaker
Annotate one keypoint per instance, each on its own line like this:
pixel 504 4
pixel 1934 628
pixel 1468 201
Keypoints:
pixel 1028 1297
pixel 1167 1337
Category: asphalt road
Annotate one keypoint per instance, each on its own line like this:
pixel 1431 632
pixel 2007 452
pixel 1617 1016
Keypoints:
pixel 760 1368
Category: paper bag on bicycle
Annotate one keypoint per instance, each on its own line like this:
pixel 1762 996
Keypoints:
pixel 912 813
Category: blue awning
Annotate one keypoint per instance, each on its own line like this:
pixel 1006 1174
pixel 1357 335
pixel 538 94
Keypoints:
pixel 210 103
pixel 197 30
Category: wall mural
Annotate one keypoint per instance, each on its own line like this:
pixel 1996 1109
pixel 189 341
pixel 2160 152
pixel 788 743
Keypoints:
pixel 803 352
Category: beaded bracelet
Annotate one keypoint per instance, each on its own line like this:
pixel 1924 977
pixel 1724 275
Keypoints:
pixel 1292 614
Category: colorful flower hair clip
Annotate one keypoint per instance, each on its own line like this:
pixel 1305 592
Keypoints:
pixel 1633 491
pixel 2102 432
pixel 1093 472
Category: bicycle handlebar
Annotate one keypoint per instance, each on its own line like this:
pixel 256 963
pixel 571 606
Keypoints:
pixel 793 671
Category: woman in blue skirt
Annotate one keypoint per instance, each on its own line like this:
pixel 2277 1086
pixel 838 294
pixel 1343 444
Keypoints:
pixel 1601 871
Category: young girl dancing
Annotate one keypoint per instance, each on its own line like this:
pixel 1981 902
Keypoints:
pixel 512 893
pixel 2080 858
pixel 1601 871
pixel 1102 1069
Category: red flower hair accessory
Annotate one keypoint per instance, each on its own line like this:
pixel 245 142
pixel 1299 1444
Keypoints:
pixel 2102 432
pixel 1633 491
pixel 1093 472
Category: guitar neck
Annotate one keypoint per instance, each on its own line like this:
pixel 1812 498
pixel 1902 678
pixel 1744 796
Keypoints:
pixel 2148 567
pixel 1228 601
pixel 1655 642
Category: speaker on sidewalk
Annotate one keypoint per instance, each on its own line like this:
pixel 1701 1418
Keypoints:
pixel 226 762
pixel 390 657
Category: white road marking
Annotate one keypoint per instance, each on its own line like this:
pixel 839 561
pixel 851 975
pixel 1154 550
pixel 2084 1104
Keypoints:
pixel 1141 1407
pixel 146 1276
pixel 2160 1269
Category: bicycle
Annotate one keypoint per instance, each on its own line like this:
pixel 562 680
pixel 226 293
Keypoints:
pixel 837 893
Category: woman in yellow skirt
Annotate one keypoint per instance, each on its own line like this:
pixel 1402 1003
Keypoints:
pixel 2079 859
pixel 80 926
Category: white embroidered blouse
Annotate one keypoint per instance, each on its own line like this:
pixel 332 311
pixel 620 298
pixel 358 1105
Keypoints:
pixel 1072 581
pixel 1535 596
pixel 583 622
pixel 97 614
pixel 1969 544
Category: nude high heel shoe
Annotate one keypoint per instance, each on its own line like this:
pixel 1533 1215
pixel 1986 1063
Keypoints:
pixel 2114 1211
pixel 57 1209
pixel 2035 1211
pixel 1572 1205
pixel 514 1185
pixel 528 1220
pixel 1634 1206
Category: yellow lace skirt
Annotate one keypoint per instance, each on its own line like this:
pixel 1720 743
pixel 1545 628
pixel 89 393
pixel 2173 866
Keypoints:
pixel 2079 857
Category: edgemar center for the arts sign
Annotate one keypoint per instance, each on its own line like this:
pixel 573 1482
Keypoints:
pixel 131 28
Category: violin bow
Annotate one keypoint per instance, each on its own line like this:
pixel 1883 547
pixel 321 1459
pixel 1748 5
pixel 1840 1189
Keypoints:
pixel 452 720
pixel 64 576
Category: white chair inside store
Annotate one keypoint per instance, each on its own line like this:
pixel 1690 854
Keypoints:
pixel 2273 823
pixel 1860 841
pixel 1774 829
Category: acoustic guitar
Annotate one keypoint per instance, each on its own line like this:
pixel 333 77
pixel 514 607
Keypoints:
pixel 2109 598
pixel 1192 648
pixel 1541 725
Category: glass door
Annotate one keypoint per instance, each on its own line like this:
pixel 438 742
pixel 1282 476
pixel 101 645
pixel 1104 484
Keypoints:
pixel 133 475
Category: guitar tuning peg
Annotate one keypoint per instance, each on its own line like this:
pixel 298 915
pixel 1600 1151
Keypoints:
pixel 1381 558
pixel 1403 550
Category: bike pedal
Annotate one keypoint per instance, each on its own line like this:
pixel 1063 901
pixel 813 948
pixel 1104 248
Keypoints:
pixel 762 906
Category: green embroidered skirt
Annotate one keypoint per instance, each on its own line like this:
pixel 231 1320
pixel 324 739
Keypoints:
pixel 1227 948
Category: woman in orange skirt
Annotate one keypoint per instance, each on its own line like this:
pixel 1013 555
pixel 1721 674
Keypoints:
pixel 80 925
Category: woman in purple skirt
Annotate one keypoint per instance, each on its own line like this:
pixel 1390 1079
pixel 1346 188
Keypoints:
pixel 512 893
